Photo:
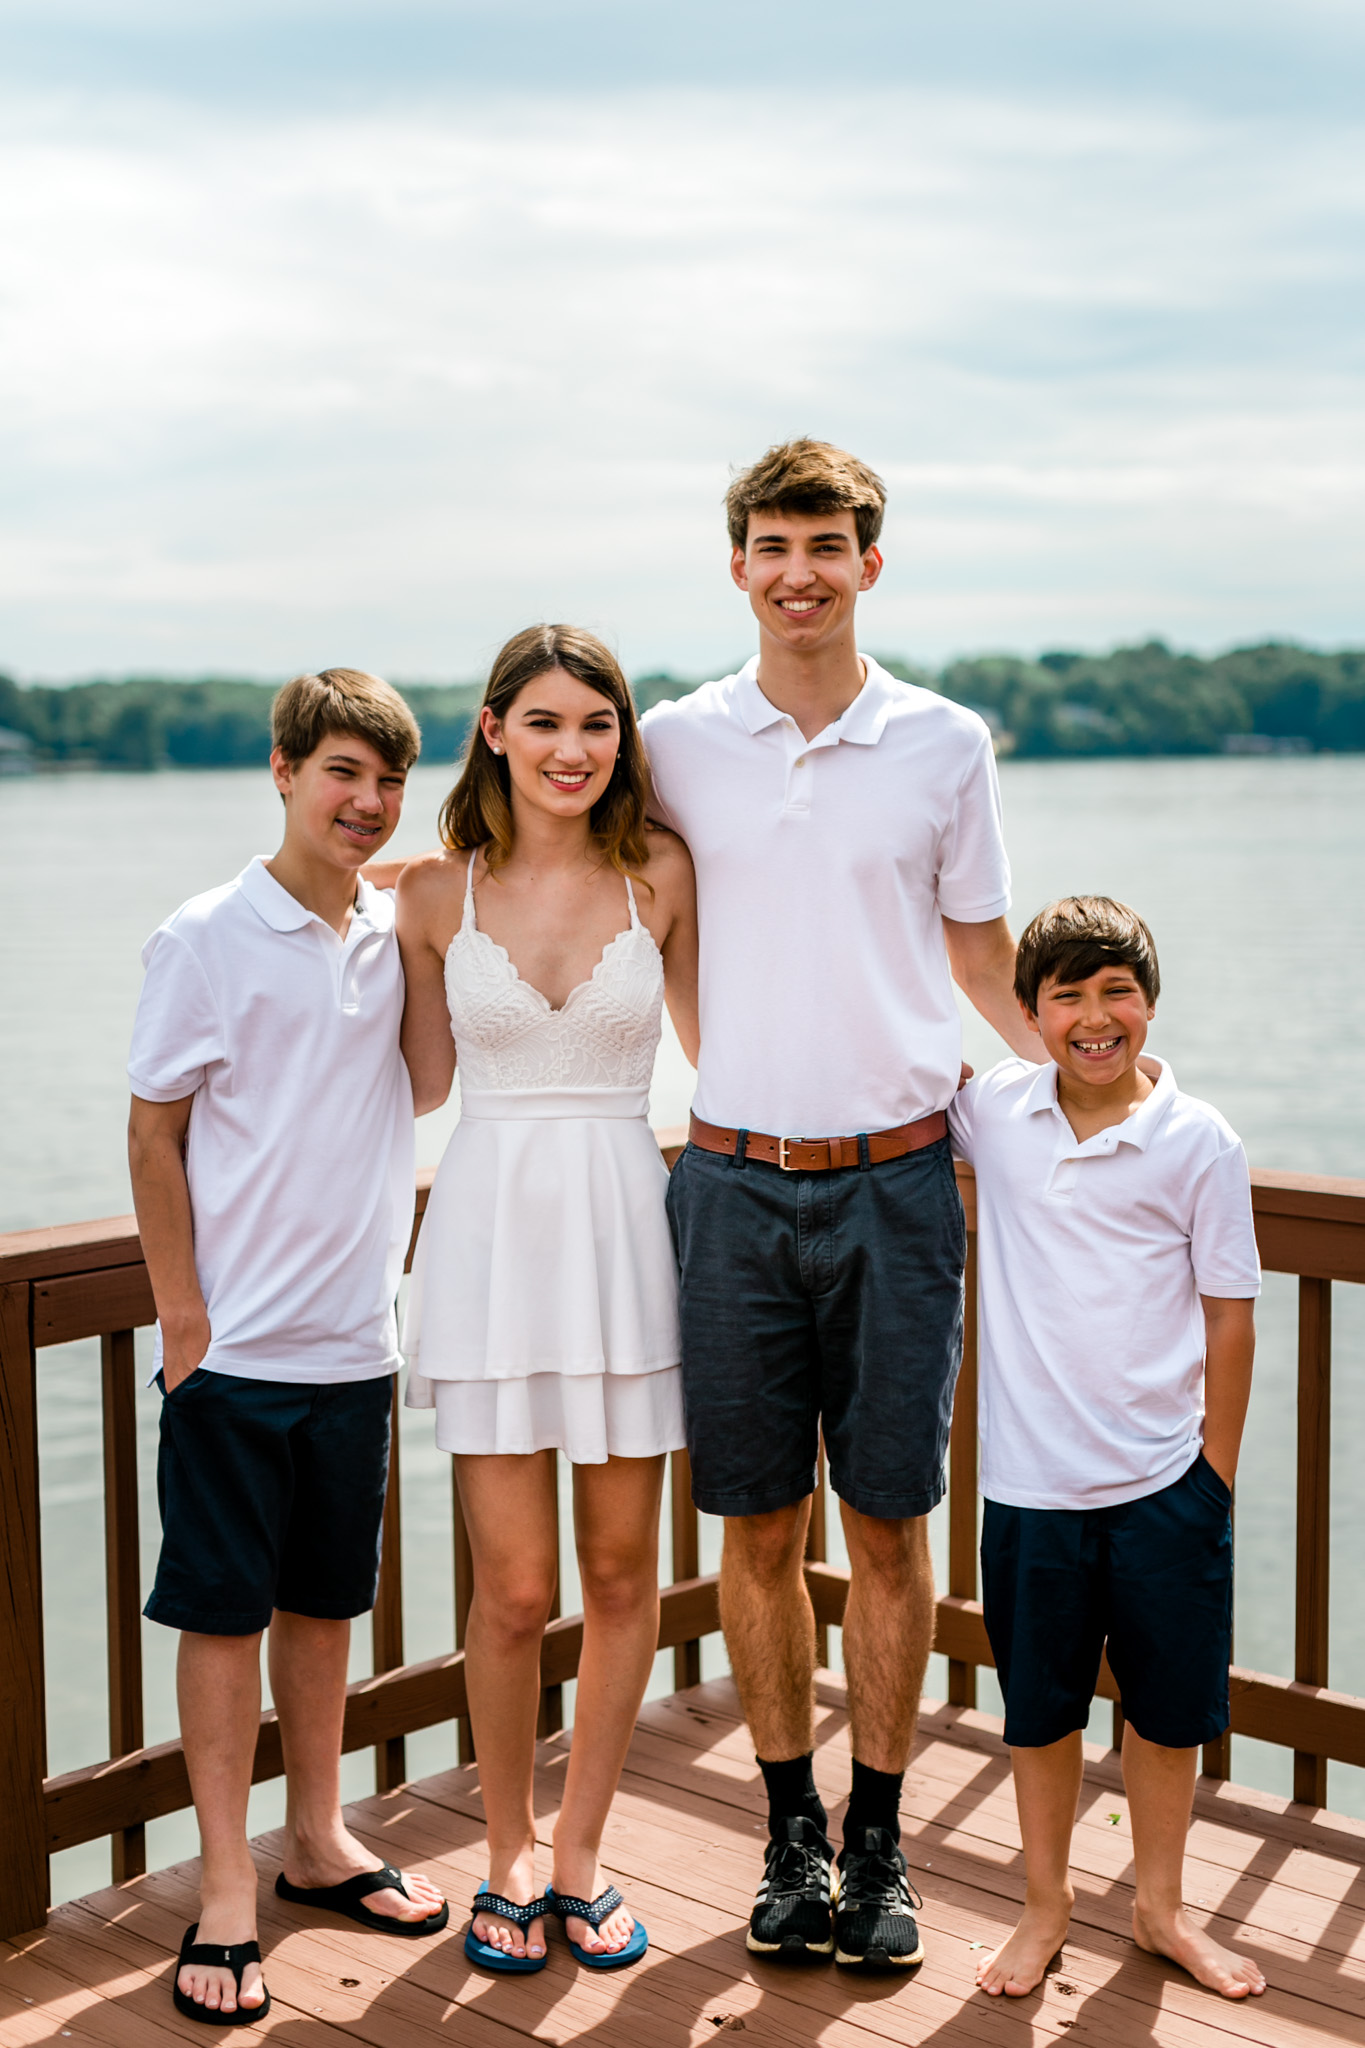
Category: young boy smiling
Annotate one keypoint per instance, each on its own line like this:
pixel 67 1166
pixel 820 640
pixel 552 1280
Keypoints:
pixel 271 1147
pixel 1118 1272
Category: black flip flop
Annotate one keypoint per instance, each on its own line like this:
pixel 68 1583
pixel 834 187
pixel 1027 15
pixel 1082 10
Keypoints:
pixel 220 1957
pixel 346 1899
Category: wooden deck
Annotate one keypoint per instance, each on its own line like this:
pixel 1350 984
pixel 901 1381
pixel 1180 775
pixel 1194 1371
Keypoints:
pixel 1281 1881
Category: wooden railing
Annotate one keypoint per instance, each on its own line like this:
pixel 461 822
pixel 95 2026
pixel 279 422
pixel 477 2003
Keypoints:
pixel 88 1280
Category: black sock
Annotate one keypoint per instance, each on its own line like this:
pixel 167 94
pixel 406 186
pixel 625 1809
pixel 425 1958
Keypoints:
pixel 873 1803
pixel 792 1794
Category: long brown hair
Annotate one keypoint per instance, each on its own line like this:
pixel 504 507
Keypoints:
pixel 478 811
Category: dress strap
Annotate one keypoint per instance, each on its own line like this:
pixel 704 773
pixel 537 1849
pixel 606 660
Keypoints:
pixel 634 913
pixel 469 918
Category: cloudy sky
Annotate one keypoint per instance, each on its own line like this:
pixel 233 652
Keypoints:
pixel 369 333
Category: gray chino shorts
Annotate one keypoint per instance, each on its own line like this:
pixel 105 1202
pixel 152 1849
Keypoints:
pixel 815 1300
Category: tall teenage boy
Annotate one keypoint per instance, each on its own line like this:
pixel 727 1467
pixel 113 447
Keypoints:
pixel 847 839
pixel 271 1145
pixel 1118 1281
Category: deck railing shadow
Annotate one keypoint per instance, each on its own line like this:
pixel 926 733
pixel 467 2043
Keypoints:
pixel 89 1280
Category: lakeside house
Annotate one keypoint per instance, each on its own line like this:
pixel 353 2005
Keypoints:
pixel 16 752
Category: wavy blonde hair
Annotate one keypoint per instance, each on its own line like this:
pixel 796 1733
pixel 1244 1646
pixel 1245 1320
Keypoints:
pixel 478 811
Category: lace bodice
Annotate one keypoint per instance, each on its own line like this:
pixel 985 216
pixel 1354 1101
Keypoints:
pixel 507 1036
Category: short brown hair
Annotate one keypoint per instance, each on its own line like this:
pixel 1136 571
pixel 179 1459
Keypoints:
pixel 1078 936
pixel 478 811
pixel 807 476
pixel 344 700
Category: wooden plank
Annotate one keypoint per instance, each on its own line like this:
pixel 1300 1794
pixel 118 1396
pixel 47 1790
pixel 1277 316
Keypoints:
pixel 672 1142
pixel 69 1248
pixel 122 1575
pixel 386 1621
pixel 1313 1546
pixel 962 1478
pixel 23 1738
pixel 1323 1248
pixel 425 1176
pixel 88 1304
pixel 686 1559
pixel 1307 1194
pixel 129 1791
pixel 683 1842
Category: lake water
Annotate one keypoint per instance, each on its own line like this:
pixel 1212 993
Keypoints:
pixel 1250 874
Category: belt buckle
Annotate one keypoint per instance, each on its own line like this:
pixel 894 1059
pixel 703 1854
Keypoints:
pixel 782 1145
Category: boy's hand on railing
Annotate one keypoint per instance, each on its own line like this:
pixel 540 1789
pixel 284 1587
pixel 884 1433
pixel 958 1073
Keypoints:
pixel 183 1350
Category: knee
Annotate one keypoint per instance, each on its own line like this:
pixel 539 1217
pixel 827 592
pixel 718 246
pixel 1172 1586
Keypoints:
pixel 765 1550
pixel 511 1609
pixel 618 1583
pixel 891 1550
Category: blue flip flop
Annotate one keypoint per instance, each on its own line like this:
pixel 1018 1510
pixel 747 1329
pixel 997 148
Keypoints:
pixel 595 1911
pixel 483 1952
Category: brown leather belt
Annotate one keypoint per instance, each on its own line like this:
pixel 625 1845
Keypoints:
pixel 821 1155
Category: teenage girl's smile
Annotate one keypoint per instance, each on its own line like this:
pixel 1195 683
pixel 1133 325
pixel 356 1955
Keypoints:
pixel 560 740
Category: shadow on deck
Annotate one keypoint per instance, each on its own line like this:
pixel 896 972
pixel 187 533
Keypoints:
pixel 1283 1882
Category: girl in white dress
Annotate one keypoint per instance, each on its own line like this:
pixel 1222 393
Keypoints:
pixel 543 1312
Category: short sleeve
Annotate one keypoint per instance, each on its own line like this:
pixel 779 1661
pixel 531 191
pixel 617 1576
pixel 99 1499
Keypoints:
pixel 973 869
pixel 1222 1234
pixel 962 1120
pixel 653 731
pixel 177 1033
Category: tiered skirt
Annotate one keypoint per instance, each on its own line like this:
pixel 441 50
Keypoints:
pixel 543 1310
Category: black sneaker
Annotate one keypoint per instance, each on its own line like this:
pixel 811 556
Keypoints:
pixel 792 1912
pixel 874 1924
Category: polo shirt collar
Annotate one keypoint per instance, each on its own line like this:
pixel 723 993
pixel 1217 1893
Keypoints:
pixel 284 913
pixel 1137 1129
pixel 863 722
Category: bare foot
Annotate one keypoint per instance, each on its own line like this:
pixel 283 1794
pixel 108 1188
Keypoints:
pixel 611 1937
pixel 515 1881
pixel 228 1915
pixel 1176 1937
pixel 342 1856
pixel 1020 1964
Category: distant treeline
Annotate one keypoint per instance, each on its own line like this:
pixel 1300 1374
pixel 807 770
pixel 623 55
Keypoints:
pixel 1136 700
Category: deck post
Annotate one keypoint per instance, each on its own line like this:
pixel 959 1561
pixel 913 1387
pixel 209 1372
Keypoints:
pixel 464 1593
pixel 686 1561
pixel 962 1460
pixel 1313 1515
pixel 386 1623
pixel 122 1575
pixel 23 1723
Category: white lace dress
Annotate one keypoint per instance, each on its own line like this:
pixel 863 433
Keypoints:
pixel 543 1312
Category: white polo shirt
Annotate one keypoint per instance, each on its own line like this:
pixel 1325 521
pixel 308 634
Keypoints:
pixel 1091 1260
pixel 824 868
pixel 300 1159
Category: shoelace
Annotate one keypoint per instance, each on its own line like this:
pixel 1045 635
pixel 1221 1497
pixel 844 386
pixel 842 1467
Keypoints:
pixel 796 1867
pixel 877 1881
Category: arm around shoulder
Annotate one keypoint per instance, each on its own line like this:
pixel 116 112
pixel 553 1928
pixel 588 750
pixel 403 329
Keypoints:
pixel 675 912
pixel 423 893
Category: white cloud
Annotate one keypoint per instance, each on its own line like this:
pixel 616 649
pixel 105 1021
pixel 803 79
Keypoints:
pixel 383 385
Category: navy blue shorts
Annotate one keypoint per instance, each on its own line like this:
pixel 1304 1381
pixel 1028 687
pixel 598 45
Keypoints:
pixel 819 1298
pixel 271 1495
pixel 1154 1576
